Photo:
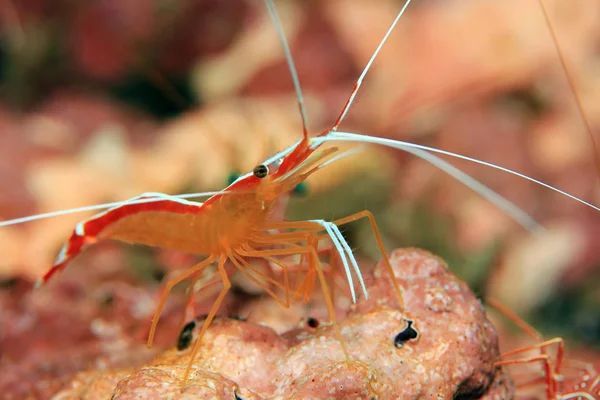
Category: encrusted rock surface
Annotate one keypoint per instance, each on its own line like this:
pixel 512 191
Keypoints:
pixel 452 357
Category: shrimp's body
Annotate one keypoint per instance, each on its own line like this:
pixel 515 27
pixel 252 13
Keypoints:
pixel 237 223
pixel 229 226
pixel 221 224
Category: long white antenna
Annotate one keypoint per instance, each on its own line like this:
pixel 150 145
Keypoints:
pixel 158 197
pixel 367 67
pixel 512 210
pixel 399 144
pixel 290 61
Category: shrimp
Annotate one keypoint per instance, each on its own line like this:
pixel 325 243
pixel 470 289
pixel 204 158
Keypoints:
pixel 582 383
pixel 237 223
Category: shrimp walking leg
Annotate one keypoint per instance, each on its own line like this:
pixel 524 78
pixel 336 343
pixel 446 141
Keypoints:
pixel 190 298
pixel 341 246
pixel 167 289
pixel 209 317
pixel 296 249
pixel 551 369
pixel 284 268
pixel 524 326
pixel 551 366
pixel 190 309
pixel 551 384
pixel 378 238
pixel 313 265
pixel 244 267
pixel 305 283
pixel 332 255
pixel 289 240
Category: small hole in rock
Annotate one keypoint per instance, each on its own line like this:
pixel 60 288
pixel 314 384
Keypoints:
pixel 407 334
pixel 312 322
pixel 186 336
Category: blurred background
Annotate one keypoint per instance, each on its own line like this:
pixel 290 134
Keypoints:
pixel 103 100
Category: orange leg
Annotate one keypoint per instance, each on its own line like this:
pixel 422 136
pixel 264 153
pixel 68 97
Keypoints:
pixel 209 319
pixel 551 389
pixel 378 238
pixel 342 221
pixel 333 258
pixel 249 268
pixel 190 309
pixel 552 368
pixel 268 254
pixel 287 239
pixel 313 265
pixel 332 232
pixel 244 268
pixel 525 327
pixel 286 279
pixel 300 286
pixel 306 226
pixel 168 287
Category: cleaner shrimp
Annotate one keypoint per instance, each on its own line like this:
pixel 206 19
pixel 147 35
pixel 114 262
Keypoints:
pixel 236 224
pixel 583 381
pixel 171 222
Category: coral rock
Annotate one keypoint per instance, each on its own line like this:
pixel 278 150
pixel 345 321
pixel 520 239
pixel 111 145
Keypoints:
pixel 441 346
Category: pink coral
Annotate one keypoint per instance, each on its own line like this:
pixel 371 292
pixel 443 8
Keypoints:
pixel 442 346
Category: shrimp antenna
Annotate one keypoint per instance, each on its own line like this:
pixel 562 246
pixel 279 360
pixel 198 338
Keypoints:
pixel 571 82
pixel 136 200
pixel 367 67
pixel 520 216
pixel 290 61
pixel 492 196
pixel 342 155
pixel 399 144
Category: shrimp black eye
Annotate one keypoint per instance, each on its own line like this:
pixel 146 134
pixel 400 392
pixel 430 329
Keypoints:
pixel 261 171
pixel 406 334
